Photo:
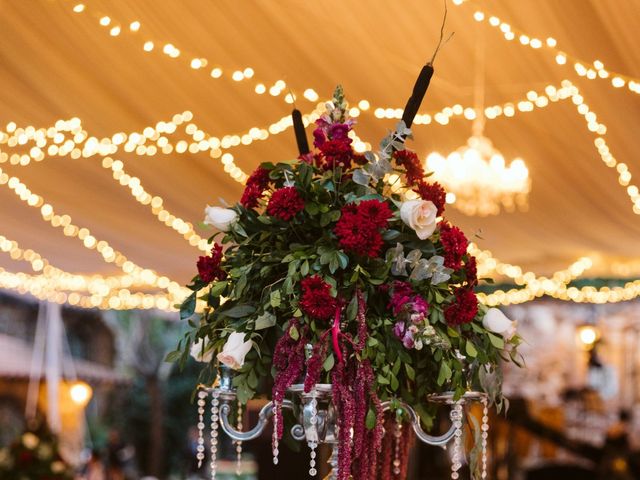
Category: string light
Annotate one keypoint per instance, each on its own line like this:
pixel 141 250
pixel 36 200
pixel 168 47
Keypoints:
pixel 89 241
pixel 590 70
pixel 155 203
pixel 122 299
pixel 196 62
pixel 63 146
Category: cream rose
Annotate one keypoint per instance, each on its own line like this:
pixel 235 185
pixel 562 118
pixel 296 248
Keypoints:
pixel 220 218
pixel 235 350
pixel 200 352
pixel 497 322
pixel 420 215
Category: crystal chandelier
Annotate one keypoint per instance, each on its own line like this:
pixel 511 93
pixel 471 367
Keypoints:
pixel 479 180
pixel 476 176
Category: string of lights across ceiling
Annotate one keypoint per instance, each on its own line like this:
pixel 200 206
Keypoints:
pixel 534 285
pixel 89 241
pixel 540 101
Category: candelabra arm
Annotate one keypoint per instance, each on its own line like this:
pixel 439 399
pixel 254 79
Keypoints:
pixel 263 418
pixel 415 423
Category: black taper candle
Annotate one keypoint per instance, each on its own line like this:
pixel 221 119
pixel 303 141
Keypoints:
pixel 301 135
pixel 419 90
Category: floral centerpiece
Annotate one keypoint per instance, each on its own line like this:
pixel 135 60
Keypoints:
pixel 34 455
pixel 341 268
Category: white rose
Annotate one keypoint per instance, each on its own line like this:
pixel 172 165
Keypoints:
pixel 199 351
pixel 235 350
pixel 220 218
pixel 497 322
pixel 420 215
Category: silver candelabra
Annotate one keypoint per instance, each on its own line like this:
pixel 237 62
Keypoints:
pixel 316 422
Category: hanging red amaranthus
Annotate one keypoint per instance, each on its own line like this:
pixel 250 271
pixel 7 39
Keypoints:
pixel 353 396
pixel 288 359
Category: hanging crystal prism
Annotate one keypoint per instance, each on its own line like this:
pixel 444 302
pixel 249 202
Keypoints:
pixel 239 443
pixel 202 395
pixel 214 432
pixel 274 440
pixel 485 435
pixel 456 457
pixel 313 444
pixel 398 439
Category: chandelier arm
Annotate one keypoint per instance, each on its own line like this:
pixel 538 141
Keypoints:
pixel 263 419
pixel 423 436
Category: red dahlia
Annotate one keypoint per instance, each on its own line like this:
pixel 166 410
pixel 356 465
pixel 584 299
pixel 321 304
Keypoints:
pixel 375 211
pixel 434 193
pixel 314 284
pixel 358 235
pixel 257 183
pixel 411 163
pixel 316 300
pixel 209 267
pixel 358 229
pixel 455 245
pixel 464 309
pixel 285 203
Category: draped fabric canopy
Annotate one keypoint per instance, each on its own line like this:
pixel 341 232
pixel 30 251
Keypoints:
pixel 57 64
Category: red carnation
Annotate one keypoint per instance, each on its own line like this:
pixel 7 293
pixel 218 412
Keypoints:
pixel 411 163
pixel 316 300
pixel 464 309
pixel 285 203
pixel 434 193
pixel 209 267
pixel 375 211
pixel 455 245
pixel 257 182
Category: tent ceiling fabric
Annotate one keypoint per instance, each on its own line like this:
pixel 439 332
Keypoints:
pixel 55 64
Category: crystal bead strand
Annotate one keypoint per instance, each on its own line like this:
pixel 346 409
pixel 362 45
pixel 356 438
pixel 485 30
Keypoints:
pixel 214 432
pixel 485 435
pixel 313 444
pixel 202 395
pixel 274 441
pixel 456 458
pixel 239 443
pixel 396 460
